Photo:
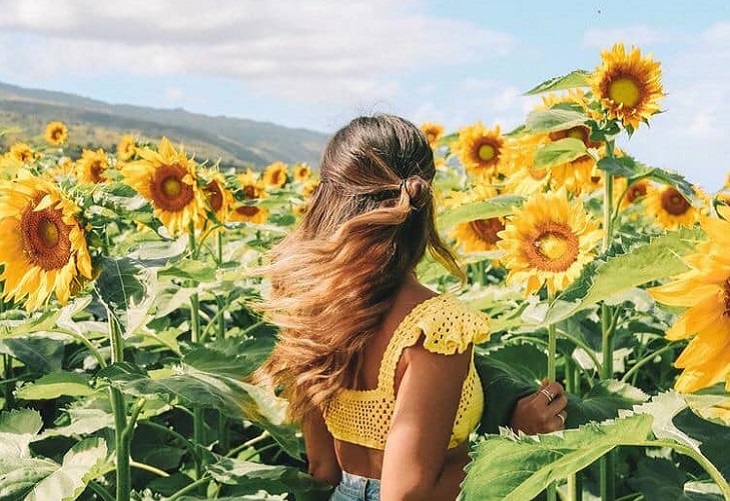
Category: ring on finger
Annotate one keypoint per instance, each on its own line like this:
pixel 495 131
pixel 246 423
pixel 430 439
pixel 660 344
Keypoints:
pixel 562 415
pixel 550 397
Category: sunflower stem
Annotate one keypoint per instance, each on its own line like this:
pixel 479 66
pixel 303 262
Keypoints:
pixel 122 438
pixel 607 462
pixel 551 374
pixel 195 337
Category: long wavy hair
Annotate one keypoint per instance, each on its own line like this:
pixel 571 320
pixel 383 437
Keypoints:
pixel 334 277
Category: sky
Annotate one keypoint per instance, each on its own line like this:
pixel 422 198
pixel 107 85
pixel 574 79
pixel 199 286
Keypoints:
pixel 316 64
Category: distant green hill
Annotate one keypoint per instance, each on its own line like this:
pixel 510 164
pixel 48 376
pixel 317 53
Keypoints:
pixel 92 123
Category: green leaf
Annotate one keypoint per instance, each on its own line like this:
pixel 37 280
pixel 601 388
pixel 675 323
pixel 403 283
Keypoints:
pixel 606 276
pixel 501 205
pixel 83 422
pixel 40 353
pixel 658 479
pixel 55 385
pixel 192 387
pixel 252 477
pixel 126 287
pixel 577 78
pixel 663 408
pixel 671 178
pixel 232 357
pixel 17 430
pixel 559 152
pixel 19 475
pixel 620 166
pixel 603 402
pixel 78 468
pixel 554 119
pixel 520 467
pixel 190 269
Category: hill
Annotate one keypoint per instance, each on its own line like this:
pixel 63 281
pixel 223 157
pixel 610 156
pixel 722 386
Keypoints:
pixel 95 124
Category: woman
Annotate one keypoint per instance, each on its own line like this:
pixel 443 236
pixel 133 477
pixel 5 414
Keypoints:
pixel 377 367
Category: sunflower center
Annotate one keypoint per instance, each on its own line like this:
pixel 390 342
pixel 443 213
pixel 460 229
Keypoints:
pixel 96 170
pixel 214 196
pixel 636 191
pixel 674 203
pixel 625 90
pixel 487 229
pixel 276 177
pixel 57 134
pixel 487 152
pixel 169 191
pixel 247 210
pixel 555 249
pixel 46 240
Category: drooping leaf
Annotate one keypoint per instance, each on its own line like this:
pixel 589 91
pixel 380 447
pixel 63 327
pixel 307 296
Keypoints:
pixel 252 477
pixel 606 276
pixel 619 166
pixel 41 353
pixel 190 269
pixel 19 475
pixel 80 465
pixel 559 152
pixel 17 430
pixel 55 385
pixel 577 78
pixel 192 387
pixel 126 288
pixel 519 468
pixel 233 357
pixel 501 205
pixel 663 408
pixel 83 422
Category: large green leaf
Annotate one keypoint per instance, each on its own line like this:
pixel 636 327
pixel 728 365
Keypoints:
pixel 83 422
pixel 233 357
pixel 501 205
pixel 191 387
pixel 126 287
pixel 555 119
pixel 55 385
pixel 250 477
pixel 19 475
pixel 607 275
pixel 603 402
pixel 577 78
pixel 17 430
pixel 515 468
pixel 40 352
pixel 559 152
pixel 80 465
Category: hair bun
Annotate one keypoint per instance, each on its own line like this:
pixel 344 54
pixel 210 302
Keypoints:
pixel 419 191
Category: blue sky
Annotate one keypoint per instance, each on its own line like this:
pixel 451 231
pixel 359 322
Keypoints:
pixel 317 63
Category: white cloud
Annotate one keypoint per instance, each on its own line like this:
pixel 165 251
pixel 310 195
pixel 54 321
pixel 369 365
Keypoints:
pixel 316 50
pixel 640 35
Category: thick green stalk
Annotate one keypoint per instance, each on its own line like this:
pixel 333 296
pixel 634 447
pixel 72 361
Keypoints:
pixel 195 335
pixel 552 374
pixel 607 462
pixel 119 408
pixel 572 382
pixel 7 376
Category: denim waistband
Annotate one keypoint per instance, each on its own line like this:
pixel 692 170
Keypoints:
pixel 360 488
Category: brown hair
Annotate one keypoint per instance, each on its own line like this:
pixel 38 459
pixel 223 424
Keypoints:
pixel 334 277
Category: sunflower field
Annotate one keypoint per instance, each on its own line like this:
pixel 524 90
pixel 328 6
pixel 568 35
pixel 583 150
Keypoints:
pixel 127 334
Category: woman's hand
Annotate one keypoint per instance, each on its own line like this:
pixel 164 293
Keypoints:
pixel 541 412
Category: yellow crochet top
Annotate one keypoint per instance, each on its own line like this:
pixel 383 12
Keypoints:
pixel 448 326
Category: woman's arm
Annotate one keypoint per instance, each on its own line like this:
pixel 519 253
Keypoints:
pixel 322 461
pixel 423 419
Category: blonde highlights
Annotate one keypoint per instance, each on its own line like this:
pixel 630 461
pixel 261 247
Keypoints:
pixel 334 277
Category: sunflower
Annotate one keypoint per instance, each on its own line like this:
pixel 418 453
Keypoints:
pixel 300 209
pixel 249 214
pixel 670 208
pixel 727 181
pixel 479 235
pixel 167 179
pixel 635 193
pixel 91 167
pixel 627 85
pixel 575 175
pixel 276 175
pixel 44 249
pixel 309 187
pixel 127 147
pixel 302 172
pixel 56 133
pixel 9 166
pixel 480 150
pixel 219 198
pixel 573 96
pixel 251 187
pixel 525 178
pixel 705 290
pixel 548 241
pixel 22 152
pixel 434 132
